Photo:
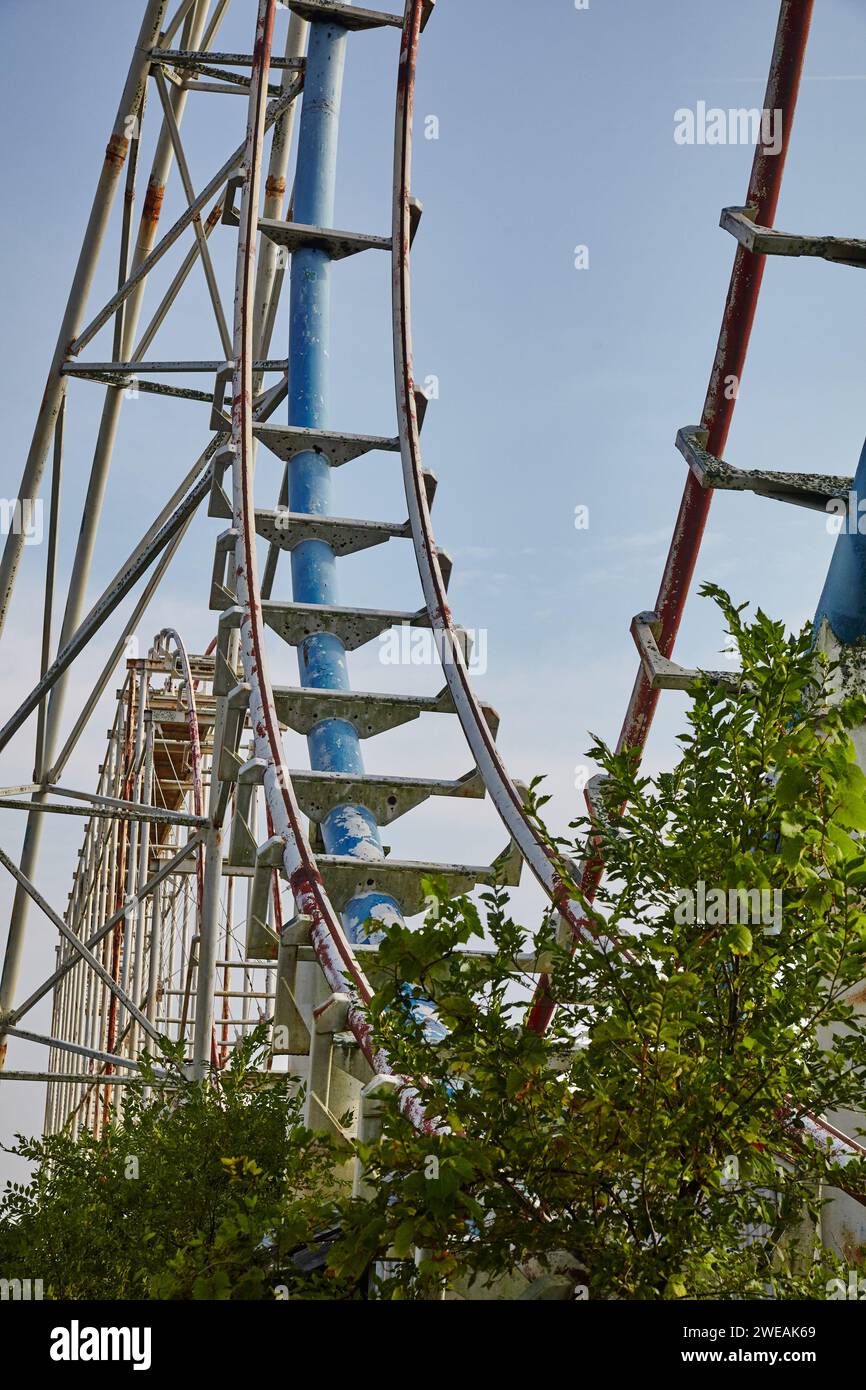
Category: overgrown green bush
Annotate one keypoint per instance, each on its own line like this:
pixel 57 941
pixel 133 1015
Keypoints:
pixel 643 1135
pixel 651 1144
pixel 202 1191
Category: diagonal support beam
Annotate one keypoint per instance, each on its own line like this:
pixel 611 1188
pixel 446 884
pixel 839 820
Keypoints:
pixel 185 220
pixel 77 945
pixel 115 157
pixel 163 873
pixel 176 285
pixel 106 606
pixel 128 810
pixel 109 1058
pixel 183 170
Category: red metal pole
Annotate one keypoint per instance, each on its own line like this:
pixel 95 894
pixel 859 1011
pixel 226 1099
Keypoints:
pixel 764 186
pixel 792 33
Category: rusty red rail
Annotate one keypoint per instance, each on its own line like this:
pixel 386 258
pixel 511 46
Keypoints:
pixel 765 185
pixel 765 182
pixel 792 33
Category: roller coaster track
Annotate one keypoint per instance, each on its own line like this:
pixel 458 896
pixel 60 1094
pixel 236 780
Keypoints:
pixel 333 949
pixel 311 875
pixel 229 693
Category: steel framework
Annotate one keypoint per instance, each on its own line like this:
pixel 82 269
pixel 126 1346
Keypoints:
pixel 194 793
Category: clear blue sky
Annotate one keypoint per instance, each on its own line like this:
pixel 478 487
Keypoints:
pixel 558 387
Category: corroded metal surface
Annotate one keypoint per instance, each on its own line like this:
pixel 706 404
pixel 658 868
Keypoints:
pixel 767 241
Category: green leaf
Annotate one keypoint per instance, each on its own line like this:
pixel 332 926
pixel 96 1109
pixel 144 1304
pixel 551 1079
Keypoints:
pixel 404 1239
pixel 792 784
pixel 737 939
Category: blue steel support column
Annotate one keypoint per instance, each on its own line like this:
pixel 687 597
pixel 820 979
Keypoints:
pixel 333 743
pixel 843 600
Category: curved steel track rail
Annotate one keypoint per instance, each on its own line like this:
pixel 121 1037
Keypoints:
pixel 505 795
pixel 339 962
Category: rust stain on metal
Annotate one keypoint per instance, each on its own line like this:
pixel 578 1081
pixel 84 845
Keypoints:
pixel 116 151
pixel 153 203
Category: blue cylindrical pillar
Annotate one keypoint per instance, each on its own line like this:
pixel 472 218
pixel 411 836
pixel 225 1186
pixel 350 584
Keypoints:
pixel 333 743
pixel 843 600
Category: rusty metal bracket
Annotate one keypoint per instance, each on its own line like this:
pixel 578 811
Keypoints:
pixel 353 16
pixel 422 400
pixel 416 212
pixel 766 241
pixel 386 798
pixel 812 490
pixel 347 16
pixel 288 1021
pixel 218 501
pixel 296 236
pixel 219 421
pixel 344 535
pixel 230 214
pixel 225 676
pixel 594 798
pixel 346 877
pixel 262 942
pixel 221 596
pixel 662 673
pixel 370 713
pixel 295 622
pixel 288 440
pixel 227 756
pixel 243 847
